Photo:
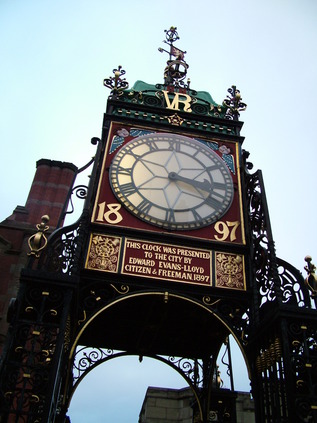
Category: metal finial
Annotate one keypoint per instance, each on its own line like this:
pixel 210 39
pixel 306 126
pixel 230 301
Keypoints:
pixel 116 83
pixel 38 241
pixel 311 280
pixel 171 34
pixel 233 103
pixel 176 69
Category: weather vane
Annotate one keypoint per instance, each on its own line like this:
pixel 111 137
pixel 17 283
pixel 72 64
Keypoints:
pixel 176 69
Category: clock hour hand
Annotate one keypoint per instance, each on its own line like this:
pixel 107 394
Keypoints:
pixel 205 185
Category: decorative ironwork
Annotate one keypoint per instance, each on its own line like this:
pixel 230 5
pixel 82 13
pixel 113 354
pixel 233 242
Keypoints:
pixel 228 364
pixel 63 252
pixel 87 358
pixel 176 69
pixel 292 285
pixel 286 364
pixel 270 368
pixel 79 190
pixel 192 369
pixel 37 335
pixel 269 356
pixel 38 241
pixel 264 259
pixel 235 314
pixel 116 83
pixel 275 278
pixel 195 372
pixel 233 103
pixel 303 364
pixel 94 297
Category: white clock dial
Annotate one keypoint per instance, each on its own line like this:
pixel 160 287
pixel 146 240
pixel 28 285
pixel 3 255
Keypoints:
pixel 171 181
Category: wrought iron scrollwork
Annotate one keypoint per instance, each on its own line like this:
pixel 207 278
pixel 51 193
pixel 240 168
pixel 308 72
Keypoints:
pixel 116 83
pixel 87 358
pixel 233 103
pixel 81 192
pixel 275 279
pixel 95 297
pixel 292 285
pixel 36 336
pixel 264 258
pixel 236 315
pixel 303 363
pixel 285 361
pixel 192 369
pixel 195 371
pixel 63 252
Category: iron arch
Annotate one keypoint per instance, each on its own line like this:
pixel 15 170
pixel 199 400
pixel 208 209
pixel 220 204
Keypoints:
pixel 205 310
pixel 114 355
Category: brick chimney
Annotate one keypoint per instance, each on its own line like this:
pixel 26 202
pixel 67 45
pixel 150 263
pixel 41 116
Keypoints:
pixel 48 193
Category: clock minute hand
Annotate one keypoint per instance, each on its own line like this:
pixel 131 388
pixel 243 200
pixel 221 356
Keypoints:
pixel 205 185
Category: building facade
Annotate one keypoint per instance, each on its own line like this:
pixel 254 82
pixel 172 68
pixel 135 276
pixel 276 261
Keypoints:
pixel 162 405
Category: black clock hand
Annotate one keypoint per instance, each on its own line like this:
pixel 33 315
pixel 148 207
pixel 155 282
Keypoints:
pixel 205 185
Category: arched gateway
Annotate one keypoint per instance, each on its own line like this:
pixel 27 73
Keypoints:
pixel 173 252
pixel 172 320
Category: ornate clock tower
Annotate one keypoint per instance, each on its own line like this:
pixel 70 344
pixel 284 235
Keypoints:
pixel 172 254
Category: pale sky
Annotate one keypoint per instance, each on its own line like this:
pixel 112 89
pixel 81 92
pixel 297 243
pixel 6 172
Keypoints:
pixel 55 55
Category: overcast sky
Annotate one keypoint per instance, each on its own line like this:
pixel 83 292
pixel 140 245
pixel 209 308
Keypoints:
pixel 55 55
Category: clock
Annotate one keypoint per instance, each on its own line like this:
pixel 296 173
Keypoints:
pixel 171 181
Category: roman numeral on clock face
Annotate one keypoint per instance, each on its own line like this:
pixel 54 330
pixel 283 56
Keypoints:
pixel 214 202
pixel 124 171
pixel 170 216
pixel 153 146
pixel 219 185
pixel 127 189
pixel 196 215
pixel 144 207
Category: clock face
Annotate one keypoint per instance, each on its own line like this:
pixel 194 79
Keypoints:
pixel 171 181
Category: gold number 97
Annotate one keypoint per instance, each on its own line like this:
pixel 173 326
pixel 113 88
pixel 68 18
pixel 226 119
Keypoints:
pixel 226 230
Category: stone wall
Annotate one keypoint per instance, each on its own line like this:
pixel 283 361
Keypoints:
pixel 163 405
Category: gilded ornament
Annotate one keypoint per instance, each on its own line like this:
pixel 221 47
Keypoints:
pixel 175 120
pixel 229 271
pixel 124 289
pixel 311 279
pixel 103 253
pixel 38 241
